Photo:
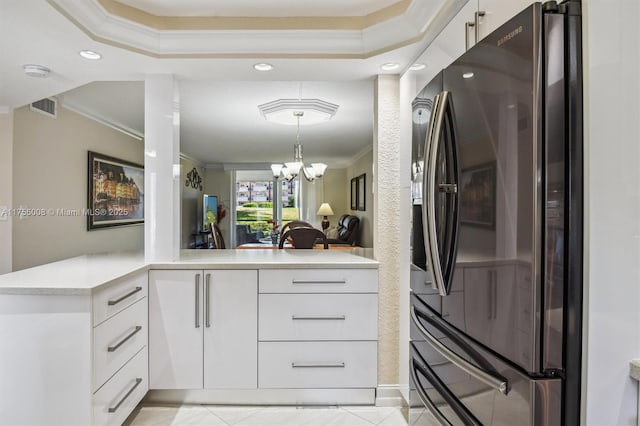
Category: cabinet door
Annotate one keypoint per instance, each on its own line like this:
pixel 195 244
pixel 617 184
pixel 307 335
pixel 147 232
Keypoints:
pixel 448 46
pixel 175 329
pixel 497 12
pixel 231 329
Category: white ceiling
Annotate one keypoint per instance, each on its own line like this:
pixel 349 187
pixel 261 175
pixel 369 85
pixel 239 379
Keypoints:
pixel 220 122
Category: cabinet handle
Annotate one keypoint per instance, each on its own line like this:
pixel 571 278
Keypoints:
pixel 197 300
pixel 479 14
pixel 318 281
pixel 120 299
pixel 114 409
pixel 303 365
pixel 337 317
pixel 207 303
pixel 467 27
pixel 121 342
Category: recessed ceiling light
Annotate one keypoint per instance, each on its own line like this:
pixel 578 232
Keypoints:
pixel 33 70
pixel 390 66
pixel 90 54
pixel 417 67
pixel 467 75
pixel 263 67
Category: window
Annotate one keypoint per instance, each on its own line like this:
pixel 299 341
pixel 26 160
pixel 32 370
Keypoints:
pixel 258 200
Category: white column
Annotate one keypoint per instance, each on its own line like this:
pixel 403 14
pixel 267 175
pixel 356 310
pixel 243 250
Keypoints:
pixel 388 220
pixel 162 169
pixel 407 93
pixel 6 183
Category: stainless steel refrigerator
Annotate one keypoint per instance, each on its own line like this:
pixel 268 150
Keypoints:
pixel 496 280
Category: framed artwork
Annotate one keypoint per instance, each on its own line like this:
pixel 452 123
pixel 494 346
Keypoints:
pixel 478 196
pixel 354 193
pixel 362 192
pixel 115 192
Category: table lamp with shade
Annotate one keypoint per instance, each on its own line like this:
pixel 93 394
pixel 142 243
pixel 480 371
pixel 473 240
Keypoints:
pixel 325 210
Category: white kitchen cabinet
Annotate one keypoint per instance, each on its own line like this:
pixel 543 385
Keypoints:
pixel 175 329
pixel 447 46
pixel 496 12
pixel 203 329
pixel 70 359
pixel 460 33
pixel 318 329
pixel 231 329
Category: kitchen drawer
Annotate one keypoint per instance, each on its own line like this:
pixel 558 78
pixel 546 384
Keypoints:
pixel 122 392
pixel 117 340
pixel 318 317
pixel 113 298
pixel 317 365
pixel 318 281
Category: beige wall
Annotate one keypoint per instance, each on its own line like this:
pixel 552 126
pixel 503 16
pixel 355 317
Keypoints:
pixel 191 204
pixel 6 155
pixel 335 193
pixel 50 172
pixel 362 165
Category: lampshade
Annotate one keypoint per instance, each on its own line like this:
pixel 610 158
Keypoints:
pixel 325 210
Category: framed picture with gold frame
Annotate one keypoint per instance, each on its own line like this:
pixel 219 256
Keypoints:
pixel 115 192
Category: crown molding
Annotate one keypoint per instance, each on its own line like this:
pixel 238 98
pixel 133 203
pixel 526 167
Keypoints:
pixel 105 122
pixel 387 32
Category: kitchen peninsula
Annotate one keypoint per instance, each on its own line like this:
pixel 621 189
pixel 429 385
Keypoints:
pixel 85 339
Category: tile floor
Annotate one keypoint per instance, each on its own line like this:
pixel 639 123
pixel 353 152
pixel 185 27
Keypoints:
pixel 214 415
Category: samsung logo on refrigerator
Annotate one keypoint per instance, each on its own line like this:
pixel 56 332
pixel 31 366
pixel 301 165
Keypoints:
pixel 509 36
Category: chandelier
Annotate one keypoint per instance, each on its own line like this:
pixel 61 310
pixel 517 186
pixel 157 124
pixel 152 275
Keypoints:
pixel 290 170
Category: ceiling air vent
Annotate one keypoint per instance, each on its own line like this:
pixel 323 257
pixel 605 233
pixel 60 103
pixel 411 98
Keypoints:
pixel 47 106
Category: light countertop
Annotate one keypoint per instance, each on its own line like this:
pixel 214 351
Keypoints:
pixel 84 274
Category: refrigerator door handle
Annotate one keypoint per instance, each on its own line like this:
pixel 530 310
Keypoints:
pixel 418 364
pixel 442 111
pixel 496 382
pixel 425 202
pixel 431 406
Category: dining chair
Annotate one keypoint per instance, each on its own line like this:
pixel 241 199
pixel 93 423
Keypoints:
pixel 216 236
pixel 294 224
pixel 304 238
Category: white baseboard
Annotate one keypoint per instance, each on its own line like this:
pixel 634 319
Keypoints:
pixel 262 396
pixel 391 396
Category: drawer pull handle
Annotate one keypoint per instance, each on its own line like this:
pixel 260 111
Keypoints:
pixel 197 289
pixel 124 398
pixel 121 342
pixel 120 299
pixel 318 281
pixel 303 365
pixel 207 302
pixel 337 317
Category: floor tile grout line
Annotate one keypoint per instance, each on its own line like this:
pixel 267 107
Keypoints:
pixel 258 409
pixel 396 410
pixel 354 414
